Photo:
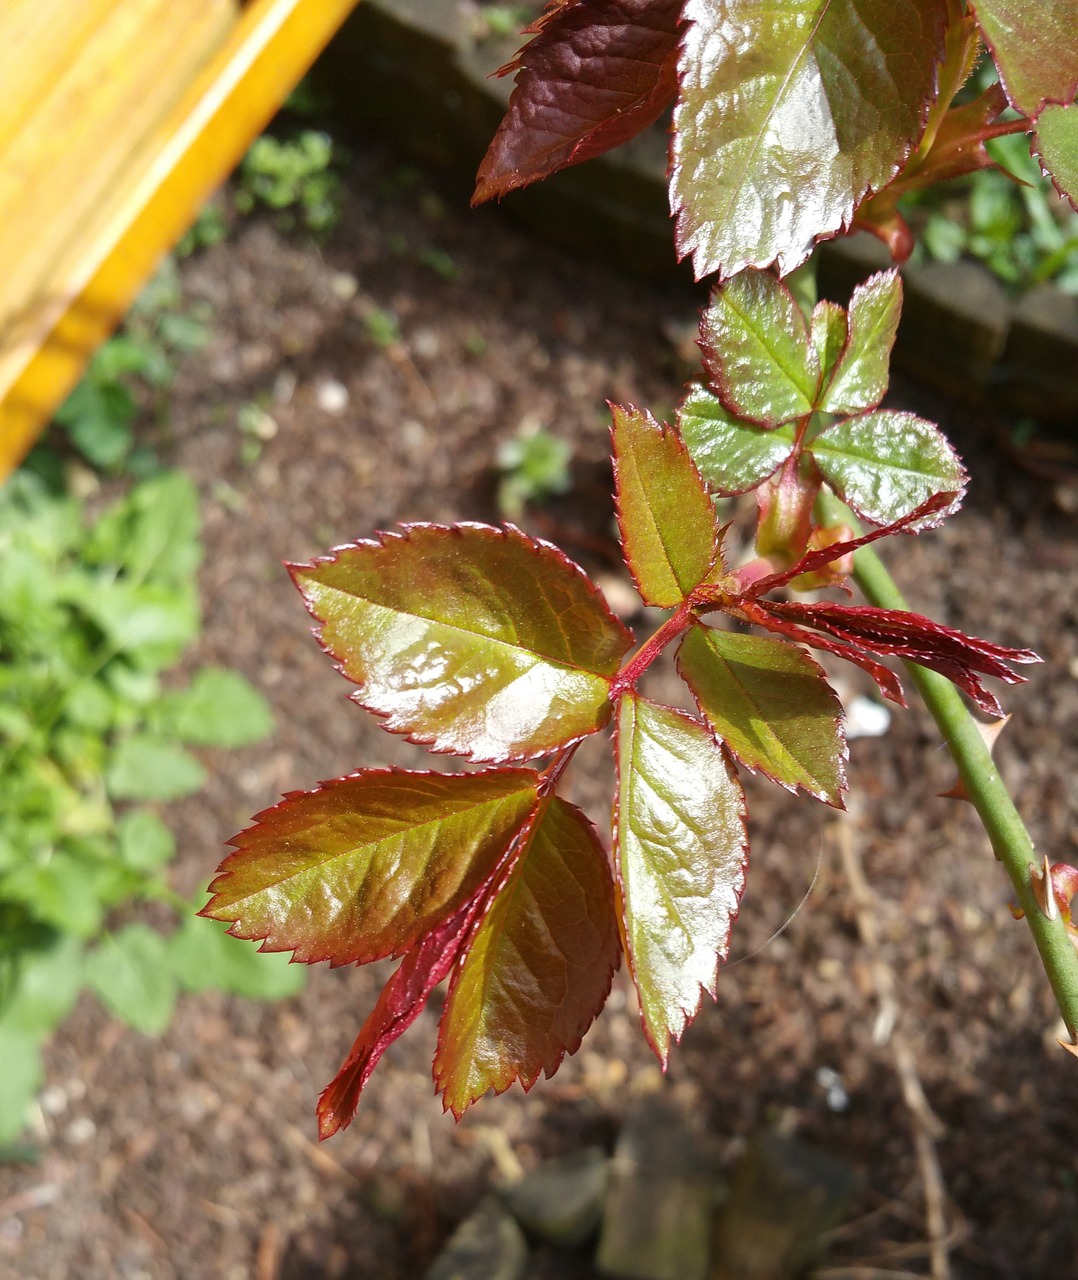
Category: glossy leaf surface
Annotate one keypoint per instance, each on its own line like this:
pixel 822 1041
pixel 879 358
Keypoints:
pixel 885 464
pixel 861 376
pixel 596 73
pixel 667 522
pixel 681 850
pixel 537 968
pixel 362 867
pixel 400 1003
pixel 1035 49
pixel 1056 143
pixel 788 115
pixel 828 333
pixel 470 639
pixel 756 350
pixel 731 455
pixel 771 705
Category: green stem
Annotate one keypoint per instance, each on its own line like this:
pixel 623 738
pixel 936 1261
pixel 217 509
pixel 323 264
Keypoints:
pixel 984 787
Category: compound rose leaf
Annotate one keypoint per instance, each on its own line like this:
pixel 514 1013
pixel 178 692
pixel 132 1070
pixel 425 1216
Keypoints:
pixel 537 968
pixel 681 850
pixel 400 1003
pixel 731 455
pixel 1056 142
pixel 885 464
pixel 595 75
pixel 1033 45
pixel 772 706
pixel 862 373
pixel 668 530
pixel 468 638
pixel 788 116
pixel 757 352
pixel 364 866
pixel 828 333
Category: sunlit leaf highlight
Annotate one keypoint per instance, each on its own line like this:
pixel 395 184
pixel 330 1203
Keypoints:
pixel 861 375
pixel 681 851
pixel 732 455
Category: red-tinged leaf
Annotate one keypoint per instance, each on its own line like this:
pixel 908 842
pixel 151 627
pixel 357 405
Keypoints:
pixel 885 464
pixel 862 373
pixel 732 456
pixel 681 850
pixel 401 1002
pixel 468 638
pixel 914 522
pixel 828 333
pixel 897 633
pixel 772 706
pixel 759 612
pixel 537 968
pixel 595 75
pixel 1056 142
pixel 364 866
pixel 756 350
pixel 1035 49
pixel 788 116
pixel 668 529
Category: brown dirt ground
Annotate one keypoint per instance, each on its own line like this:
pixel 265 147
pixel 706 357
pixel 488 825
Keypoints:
pixel 194 1156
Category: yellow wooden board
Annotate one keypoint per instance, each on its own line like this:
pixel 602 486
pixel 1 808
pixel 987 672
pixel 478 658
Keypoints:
pixel 118 118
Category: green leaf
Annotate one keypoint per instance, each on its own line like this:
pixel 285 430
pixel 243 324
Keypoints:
pixel 205 958
pixel 130 972
pixel 20 1079
pixel 468 638
pixel 667 522
pixel 772 706
pixel 218 709
pixel 732 455
pixel 756 350
pixel 788 116
pixel 681 849
pixel 1034 48
pixel 861 376
pixel 63 892
pixel 885 464
pixel 152 622
pixel 46 988
pixel 365 865
pixel 144 842
pixel 1056 142
pixel 828 332
pixel 538 968
pixel 145 767
pixel 153 533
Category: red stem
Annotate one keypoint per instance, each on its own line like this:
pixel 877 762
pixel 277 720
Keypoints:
pixel 677 624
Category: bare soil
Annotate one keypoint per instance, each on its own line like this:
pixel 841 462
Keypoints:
pixel 194 1155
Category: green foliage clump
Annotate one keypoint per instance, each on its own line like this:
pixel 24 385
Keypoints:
pixel 295 177
pixel 534 467
pixel 91 744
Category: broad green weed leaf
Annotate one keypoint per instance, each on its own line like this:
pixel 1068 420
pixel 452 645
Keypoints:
pixel 468 638
pixel 204 957
pixel 1034 47
pixel 46 988
pixel 538 967
pixel 681 850
pixel 1056 142
pixel 146 767
pixel 154 624
pixel 788 115
pixel 129 971
pixel 363 867
pixel 143 840
pixel 153 533
pixel 885 464
pixel 771 705
pixel 667 522
pixel 594 75
pixel 63 892
pixel 757 352
pixel 732 456
pixel 828 332
pixel 218 709
pixel 861 376
pixel 20 1079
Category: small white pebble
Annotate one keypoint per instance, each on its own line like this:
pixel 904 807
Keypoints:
pixel 414 434
pixel 53 1100
pixel 332 396
pixel 866 718
pixel 425 343
pixel 344 285
pixel 80 1130
pixel 284 387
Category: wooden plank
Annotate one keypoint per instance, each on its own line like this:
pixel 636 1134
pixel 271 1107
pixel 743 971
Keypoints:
pixel 188 94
